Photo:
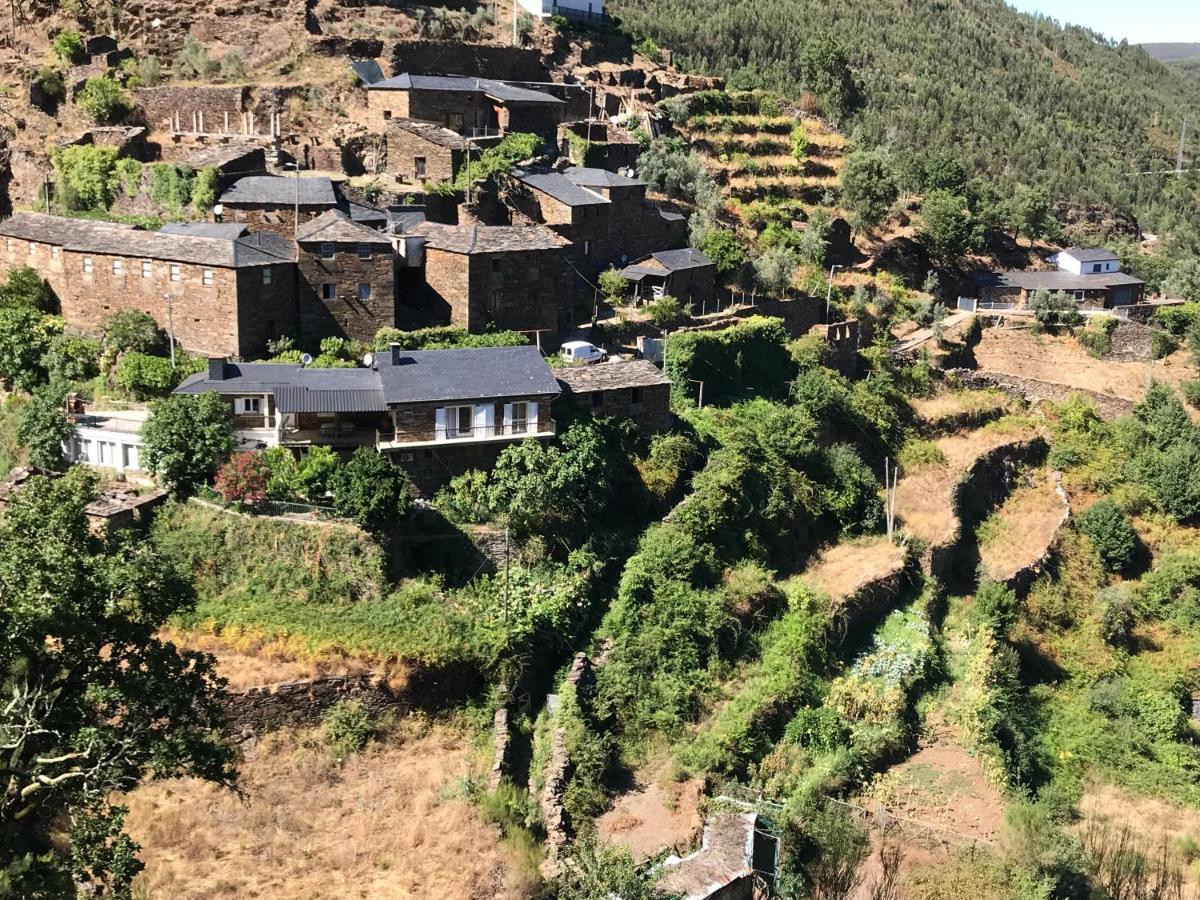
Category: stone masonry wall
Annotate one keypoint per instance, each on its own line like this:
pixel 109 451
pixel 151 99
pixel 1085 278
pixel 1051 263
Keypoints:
pixel 455 58
pixel 160 104
pixel 1033 391
pixel 346 314
pixel 652 414
pixel 297 703
pixel 404 147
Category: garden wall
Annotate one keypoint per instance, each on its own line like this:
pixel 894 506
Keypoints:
pixel 1034 391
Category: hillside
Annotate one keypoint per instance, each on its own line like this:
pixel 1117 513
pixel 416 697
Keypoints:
pixel 1018 98
pixel 1172 52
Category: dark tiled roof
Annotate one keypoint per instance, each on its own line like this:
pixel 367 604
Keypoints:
pixel 476 374
pixel 176 244
pixel 415 376
pixel 404 219
pixel 277 190
pixel 561 188
pixel 336 227
pixel 221 155
pixel 1057 281
pixel 488 238
pixel 677 260
pixel 1087 254
pixel 610 376
pixel 501 90
pixel 230 231
pixel 435 134
pixel 370 216
pixel 585 177
pixel 367 70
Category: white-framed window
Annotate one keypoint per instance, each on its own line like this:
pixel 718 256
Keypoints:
pixel 462 421
pixel 32 248
pixel 587 248
pixel 206 277
pixel 247 405
pixel 87 265
pixel 364 251
pixel 176 272
pixel 327 250
pixel 266 275
pixel 328 291
pixel 518 418
pixel 118 267
pixel 54 252
pixel 364 290
pixel 147 268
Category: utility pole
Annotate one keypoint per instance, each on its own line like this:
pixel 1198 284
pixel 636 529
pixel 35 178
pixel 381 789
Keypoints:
pixel 829 291
pixel 505 574
pixel 1179 158
pixel 296 226
pixel 171 327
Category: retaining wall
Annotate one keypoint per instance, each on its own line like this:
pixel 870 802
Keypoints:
pixel 1034 391
pixel 1022 580
pixel 295 703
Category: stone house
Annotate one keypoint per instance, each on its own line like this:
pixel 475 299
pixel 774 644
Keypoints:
pixel 436 413
pixel 220 289
pixel 272 202
pixel 621 389
pixel 504 277
pixel 475 107
pixel 604 215
pixel 421 151
pixel 686 274
pixel 1093 278
pixel 347 278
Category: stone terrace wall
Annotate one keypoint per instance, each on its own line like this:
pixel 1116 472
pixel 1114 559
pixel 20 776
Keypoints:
pixel 297 703
pixel 160 104
pixel 455 58
pixel 1034 391
pixel 1130 342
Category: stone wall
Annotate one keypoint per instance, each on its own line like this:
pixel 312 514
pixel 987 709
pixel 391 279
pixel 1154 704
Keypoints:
pixel 799 315
pixel 346 313
pixel 559 768
pixel 160 104
pixel 652 412
pixel 1022 580
pixel 842 340
pixel 299 703
pixel 279 219
pixel 456 58
pixel 405 147
pixel 1130 342
pixel 1033 391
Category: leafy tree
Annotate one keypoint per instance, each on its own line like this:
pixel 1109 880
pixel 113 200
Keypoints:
pixel 945 226
pixel 1183 282
pixel 1052 310
pixel 54 89
pixel 667 311
pixel 942 171
pixel 204 191
pixel 132 331
pixel 813 243
pixel 25 337
pixel 67 45
pixel 87 176
pixel 1174 478
pixel 314 478
pixel 800 141
pixel 676 171
pixel 95 703
pixel 868 188
pixel 1111 534
pixel 24 287
pixel 826 70
pixel 774 270
pixel 103 100
pixel 372 491
pixel 514 148
pixel 186 437
pixel 129 176
pixel 145 376
pixel 43 427
pixel 613 285
pixel 171 186
pixel 244 478
pixel 1029 213
pixel 594 870
pixel 722 246
pixel 71 357
pixel 282 465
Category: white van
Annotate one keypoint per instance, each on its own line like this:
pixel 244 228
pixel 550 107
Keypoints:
pixel 582 351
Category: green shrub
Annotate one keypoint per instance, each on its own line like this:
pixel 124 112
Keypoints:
pixel 43 427
pixel 193 60
pixel 996 606
pixel 72 357
pixel 1097 337
pixel 67 45
pixel 129 175
pixel 132 331
pixel 1191 392
pixel 171 185
pixel 1177 319
pixel 103 100
pixel 87 176
pixel 1162 344
pixel 725 249
pixel 1111 534
pixel 145 376
pixel 613 285
pixel 25 288
pixel 919 452
pixel 149 71
pixel 186 438
pixel 54 89
pixel 467 498
pixel 446 337
pixel 1116 616
pixel 648 48
pixel 314 477
pixel 204 190
pixel 372 491
pixel 347 726
pixel 25 338
pixel 667 311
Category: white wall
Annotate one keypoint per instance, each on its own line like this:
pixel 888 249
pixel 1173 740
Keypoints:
pixel 546 8
pixel 115 450
pixel 1068 263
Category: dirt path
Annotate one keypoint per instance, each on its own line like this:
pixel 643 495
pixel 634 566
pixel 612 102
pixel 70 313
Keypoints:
pixel 385 824
pixel 656 814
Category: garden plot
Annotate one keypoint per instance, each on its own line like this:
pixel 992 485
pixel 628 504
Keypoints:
pixel 384 823
pixel 846 569
pixel 1019 533
pixel 657 814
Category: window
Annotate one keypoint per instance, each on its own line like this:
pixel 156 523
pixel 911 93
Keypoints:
pixel 8 244
pixel 518 422
pixel 327 250
pixel 597 398
pixel 587 248
pixel 1096 267
pixel 118 267
pixel 460 421
pixel 87 265
pixel 497 264
pixel 266 276
pixel 32 248
pixel 418 166
pixel 248 405
pixel 54 252
pixel 328 291
pixel 176 272
pixel 635 395
pixel 364 251
pixel 206 277
pixel 387 114
pixel 364 290
pixel 147 268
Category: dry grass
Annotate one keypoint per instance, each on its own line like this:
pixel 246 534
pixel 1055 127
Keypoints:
pixel 844 568
pixel 949 405
pixel 382 825
pixel 1152 820
pixel 1019 532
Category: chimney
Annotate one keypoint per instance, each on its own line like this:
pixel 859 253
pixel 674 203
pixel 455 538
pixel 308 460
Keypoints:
pixel 395 351
pixel 216 368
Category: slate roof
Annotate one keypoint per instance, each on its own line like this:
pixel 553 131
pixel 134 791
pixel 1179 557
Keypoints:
pixel 402 376
pixel 435 134
pixel 1090 254
pixel 610 376
pixel 725 857
pixel 666 261
pixel 278 190
pixel 1057 281
pixel 337 227
pixel 371 216
pixel 175 245
pixel 230 231
pixel 221 155
pixel 561 188
pixel 367 70
pixel 488 238
pixel 586 177
pixel 504 91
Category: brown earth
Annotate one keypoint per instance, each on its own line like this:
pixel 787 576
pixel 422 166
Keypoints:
pixel 385 824
pixel 1019 532
pixel 1060 360
pixel 1151 819
pixel 844 568
pixel 657 814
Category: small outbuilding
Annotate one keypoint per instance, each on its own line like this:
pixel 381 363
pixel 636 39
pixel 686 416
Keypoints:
pixel 686 274
pixel 622 389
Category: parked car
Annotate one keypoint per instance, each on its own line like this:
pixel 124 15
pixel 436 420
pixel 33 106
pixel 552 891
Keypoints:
pixel 582 351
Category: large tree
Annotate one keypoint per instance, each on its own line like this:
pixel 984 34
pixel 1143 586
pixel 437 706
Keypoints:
pixel 91 701
pixel 945 226
pixel 868 188
pixel 186 438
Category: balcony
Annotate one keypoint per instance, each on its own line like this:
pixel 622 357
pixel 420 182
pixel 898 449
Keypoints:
pixel 331 434
pixel 478 434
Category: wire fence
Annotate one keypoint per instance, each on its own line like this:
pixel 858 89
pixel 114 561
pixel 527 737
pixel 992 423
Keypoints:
pixel 266 507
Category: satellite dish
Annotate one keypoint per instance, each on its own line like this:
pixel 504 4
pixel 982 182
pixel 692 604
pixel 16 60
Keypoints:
pixel 306 359
pixel 368 359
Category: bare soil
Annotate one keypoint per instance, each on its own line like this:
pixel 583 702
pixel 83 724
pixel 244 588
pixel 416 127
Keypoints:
pixel 1019 532
pixel 657 814
pixel 844 568
pixel 1151 819
pixel 385 824
pixel 1059 359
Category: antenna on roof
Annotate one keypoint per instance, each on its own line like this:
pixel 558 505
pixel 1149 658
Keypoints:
pixel 306 359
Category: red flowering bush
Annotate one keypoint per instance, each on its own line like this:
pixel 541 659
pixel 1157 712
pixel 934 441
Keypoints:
pixel 244 478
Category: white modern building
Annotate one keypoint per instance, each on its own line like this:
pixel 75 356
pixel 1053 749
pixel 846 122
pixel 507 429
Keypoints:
pixel 108 440
pixel 578 9
pixel 1086 261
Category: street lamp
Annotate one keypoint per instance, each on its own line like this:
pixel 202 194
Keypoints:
pixel 829 290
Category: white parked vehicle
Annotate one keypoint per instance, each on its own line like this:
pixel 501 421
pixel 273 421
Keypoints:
pixel 582 351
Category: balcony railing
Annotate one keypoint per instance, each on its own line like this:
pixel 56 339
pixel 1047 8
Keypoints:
pixel 386 440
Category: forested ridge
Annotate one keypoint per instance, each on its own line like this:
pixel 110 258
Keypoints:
pixel 1017 97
